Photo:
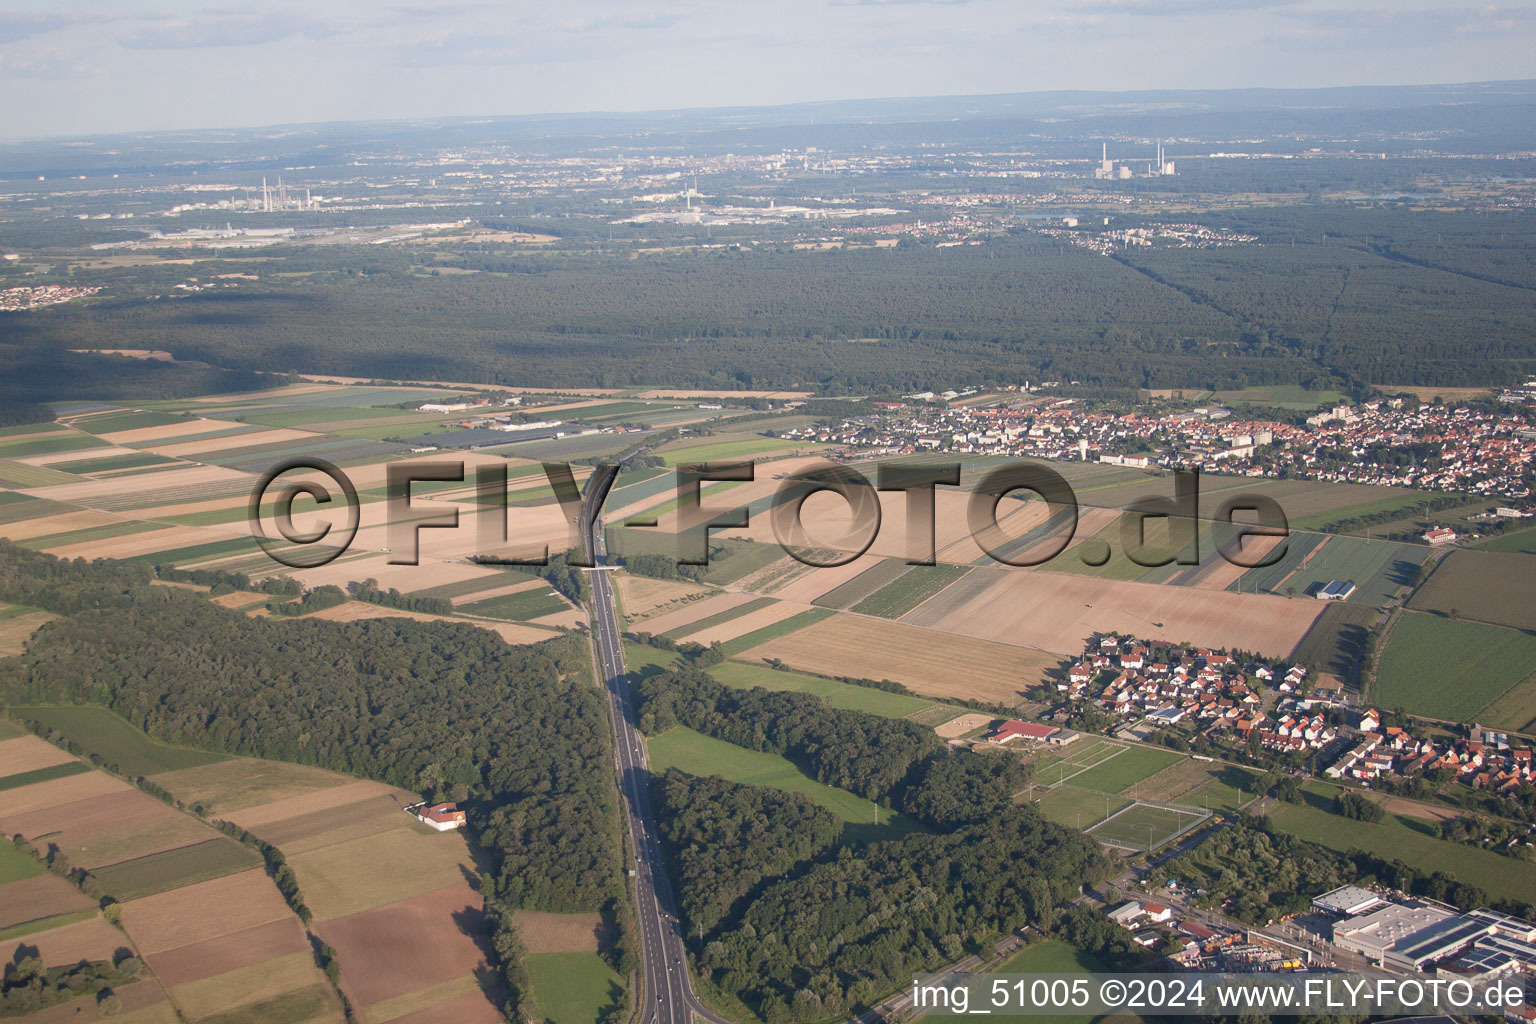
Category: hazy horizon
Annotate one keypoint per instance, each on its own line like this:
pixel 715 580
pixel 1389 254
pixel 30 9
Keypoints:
pixel 135 66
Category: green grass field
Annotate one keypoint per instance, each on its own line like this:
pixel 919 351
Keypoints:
pixel 19 474
pixel 1051 957
pixel 864 584
pixel 1514 541
pixel 1077 808
pixel 1144 826
pixel 643 660
pixel 1117 773
pixel 1500 876
pixel 43 924
pixel 1284 396
pixel 732 451
pixel 838 695
pixel 112 462
pixel 1452 669
pixel 32 428
pixel 171 869
pixel 53 771
pixel 204 552
pixel 54 540
pixel 526 604
pixel 747 641
pixel 1496 587
pixel 1209 785
pixel 572 988
pixel 115 740
pixel 714 620
pixel 338 414
pixel 697 754
pixel 1406 501
pixel 112 422
pixel 48 445
pixel 744 559
pixel 16 863
pixel 909 590
pixel 1377 568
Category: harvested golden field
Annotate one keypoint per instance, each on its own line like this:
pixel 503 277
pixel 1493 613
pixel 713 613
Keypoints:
pixel 1058 611
pixel 344 790
pixel 144 487
pixel 245 985
pixel 92 939
pixel 40 896
pixel 642 596
pixel 227 786
pixel 486 595
pixel 16 631
pixel 769 477
pixel 374 475
pixel 379 813
pixel 308 838
pixel 167 432
pixel 470 1008
pixel 230 952
pixel 43 526
pixel 543 932
pixel 25 753
pixel 432 572
pixel 696 610
pixel 744 624
pixel 181 917
pixel 56 792
pixel 133 544
pixel 240 599
pixel 929 663
pixel 568 619
pixel 192 449
pixel 360 874
pixel 354 611
pixel 111 827
pixel 408 945
pixel 821 581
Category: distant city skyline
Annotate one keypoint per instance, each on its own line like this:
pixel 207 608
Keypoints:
pixel 102 66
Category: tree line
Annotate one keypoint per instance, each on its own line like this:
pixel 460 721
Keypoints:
pixel 798 925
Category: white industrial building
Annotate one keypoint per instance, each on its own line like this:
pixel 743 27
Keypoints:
pixel 1416 935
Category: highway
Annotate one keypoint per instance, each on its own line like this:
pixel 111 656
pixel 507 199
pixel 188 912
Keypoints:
pixel 668 996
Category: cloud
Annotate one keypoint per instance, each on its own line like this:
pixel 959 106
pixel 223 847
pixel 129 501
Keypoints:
pixel 41 65
pixel 222 29
pixel 897 3
pixel 1174 8
pixel 18 25
pixel 1382 27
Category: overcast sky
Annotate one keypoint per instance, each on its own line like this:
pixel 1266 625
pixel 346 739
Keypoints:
pixel 89 66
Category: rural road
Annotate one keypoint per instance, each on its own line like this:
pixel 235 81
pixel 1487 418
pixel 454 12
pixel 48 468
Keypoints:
pixel 668 997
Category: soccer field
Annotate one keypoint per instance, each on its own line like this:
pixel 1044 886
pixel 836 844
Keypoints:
pixel 1145 826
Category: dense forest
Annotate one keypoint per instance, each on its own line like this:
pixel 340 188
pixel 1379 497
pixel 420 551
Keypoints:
pixel 799 926
pixel 725 838
pixel 517 734
pixel 442 708
pixel 1328 294
pixel 860 753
